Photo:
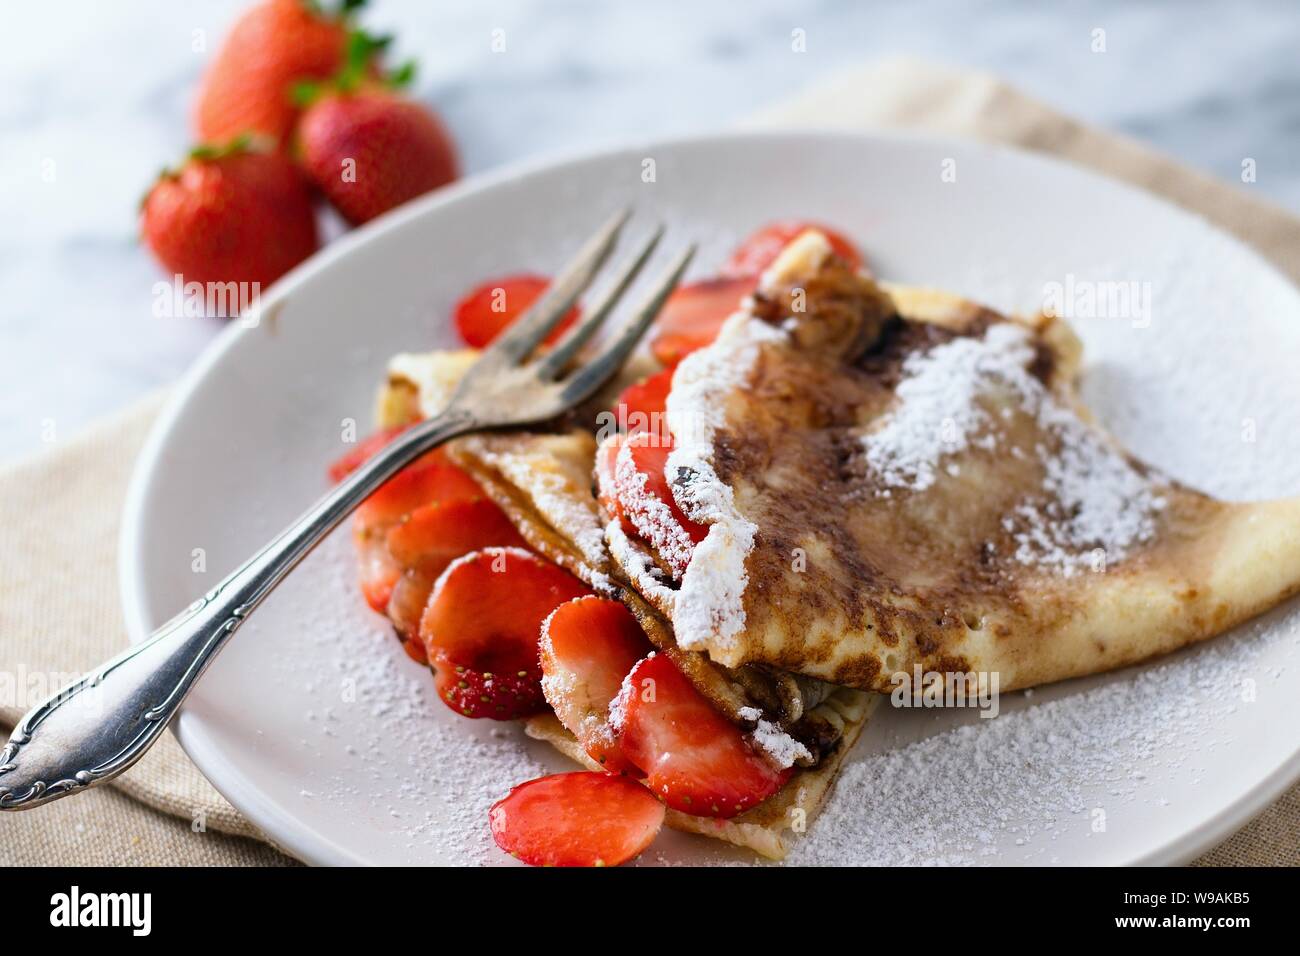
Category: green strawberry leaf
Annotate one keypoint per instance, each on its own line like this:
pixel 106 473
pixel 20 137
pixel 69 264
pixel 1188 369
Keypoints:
pixel 305 92
pixel 402 76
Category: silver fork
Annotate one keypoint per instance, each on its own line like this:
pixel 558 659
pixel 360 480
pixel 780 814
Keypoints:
pixel 102 723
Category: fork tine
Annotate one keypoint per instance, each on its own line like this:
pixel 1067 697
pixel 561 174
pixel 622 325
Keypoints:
pixel 547 312
pixel 563 353
pixel 599 370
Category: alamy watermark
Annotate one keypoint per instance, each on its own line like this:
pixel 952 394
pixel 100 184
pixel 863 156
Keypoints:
pixel 74 908
pixel 21 689
pixel 179 299
pixel 1077 298
pixel 922 688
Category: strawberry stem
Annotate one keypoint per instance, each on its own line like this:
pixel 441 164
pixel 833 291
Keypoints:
pixel 362 53
pixel 248 142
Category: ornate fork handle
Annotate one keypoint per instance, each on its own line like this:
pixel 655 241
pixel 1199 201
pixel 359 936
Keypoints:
pixel 102 723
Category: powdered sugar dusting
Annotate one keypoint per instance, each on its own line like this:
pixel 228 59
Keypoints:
pixel 382 740
pixel 651 517
pixel 1088 766
pixel 775 742
pixel 627 690
pixel 1096 509
pixel 555 499
pixel 937 412
pixel 1094 504
pixel 640 567
pixel 709 611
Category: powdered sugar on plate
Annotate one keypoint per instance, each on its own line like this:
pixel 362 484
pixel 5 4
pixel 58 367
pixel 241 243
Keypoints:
pixel 1082 766
pixel 419 769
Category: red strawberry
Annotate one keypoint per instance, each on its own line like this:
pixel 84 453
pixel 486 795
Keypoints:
pixel 694 313
pixel 271 46
pixel 425 542
pixel 351 461
pixel 761 249
pixel 606 462
pixel 490 308
pixel 230 215
pixel 486 611
pixel 434 535
pixel 370 150
pixel 475 694
pixel 633 486
pixel 694 759
pixel 431 477
pixel 576 819
pixel 406 604
pixel 587 647
pixel 379 573
pixel 642 406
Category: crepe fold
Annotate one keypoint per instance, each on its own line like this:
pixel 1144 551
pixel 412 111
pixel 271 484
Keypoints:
pixel 543 482
pixel 915 486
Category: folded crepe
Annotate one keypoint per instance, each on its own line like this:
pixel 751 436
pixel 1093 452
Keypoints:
pixel 896 478
pixel 890 478
pixel 543 482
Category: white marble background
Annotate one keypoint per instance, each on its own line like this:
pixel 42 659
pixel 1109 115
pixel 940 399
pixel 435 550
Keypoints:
pixel 94 98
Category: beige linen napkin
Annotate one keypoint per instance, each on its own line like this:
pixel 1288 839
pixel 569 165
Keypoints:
pixel 59 610
pixel 59 616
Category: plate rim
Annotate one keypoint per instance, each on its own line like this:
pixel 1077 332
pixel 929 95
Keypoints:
pixel 310 846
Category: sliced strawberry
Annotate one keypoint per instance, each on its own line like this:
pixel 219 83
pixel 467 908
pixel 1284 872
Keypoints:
pixel 639 489
pixel 431 477
pixel 427 540
pixel 434 535
pixel 409 597
pixel 606 463
pixel 486 611
pixel 643 407
pixel 378 571
pixel 576 819
pixel 587 647
pixel 694 313
pixel 345 465
pixel 694 759
pixel 474 693
pixel 761 249
pixel 490 308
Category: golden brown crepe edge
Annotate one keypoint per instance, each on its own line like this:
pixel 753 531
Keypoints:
pixel 771 828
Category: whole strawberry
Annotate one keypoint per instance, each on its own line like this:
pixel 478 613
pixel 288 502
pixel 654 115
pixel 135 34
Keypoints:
pixel 248 87
pixel 366 147
pixel 230 215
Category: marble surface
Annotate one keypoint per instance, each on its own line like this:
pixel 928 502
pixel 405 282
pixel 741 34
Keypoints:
pixel 94 99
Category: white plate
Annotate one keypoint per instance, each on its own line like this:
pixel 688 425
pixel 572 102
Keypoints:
pixel 315 725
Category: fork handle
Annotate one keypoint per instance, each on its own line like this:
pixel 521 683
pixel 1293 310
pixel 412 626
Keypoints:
pixel 102 723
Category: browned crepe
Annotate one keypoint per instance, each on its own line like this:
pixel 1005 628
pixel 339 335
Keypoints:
pixel 1035 548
